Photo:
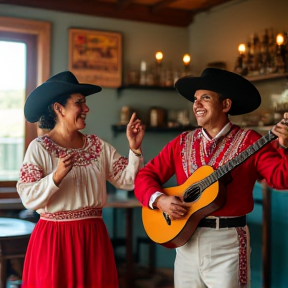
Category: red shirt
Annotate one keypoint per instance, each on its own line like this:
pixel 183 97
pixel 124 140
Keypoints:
pixel 190 150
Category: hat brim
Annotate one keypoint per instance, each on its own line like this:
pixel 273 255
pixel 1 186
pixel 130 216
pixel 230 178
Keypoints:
pixel 244 95
pixel 46 94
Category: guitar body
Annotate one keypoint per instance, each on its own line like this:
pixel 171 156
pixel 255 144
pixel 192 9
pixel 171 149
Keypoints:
pixel 180 231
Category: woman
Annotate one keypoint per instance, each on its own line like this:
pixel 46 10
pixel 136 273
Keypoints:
pixel 63 178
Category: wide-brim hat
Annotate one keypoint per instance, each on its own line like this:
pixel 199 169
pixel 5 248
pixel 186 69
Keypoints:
pixel 244 95
pixel 57 86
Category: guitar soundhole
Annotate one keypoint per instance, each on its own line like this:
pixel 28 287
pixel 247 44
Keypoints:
pixel 192 194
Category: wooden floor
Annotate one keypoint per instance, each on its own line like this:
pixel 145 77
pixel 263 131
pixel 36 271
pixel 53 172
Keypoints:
pixel 161 278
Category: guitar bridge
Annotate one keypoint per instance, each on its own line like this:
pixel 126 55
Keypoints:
pixel 167 218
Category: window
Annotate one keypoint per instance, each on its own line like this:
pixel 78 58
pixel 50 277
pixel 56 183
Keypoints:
pixel 29 41
pixel 12 97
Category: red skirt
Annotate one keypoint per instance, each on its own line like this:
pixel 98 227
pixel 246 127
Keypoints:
pixel 70 254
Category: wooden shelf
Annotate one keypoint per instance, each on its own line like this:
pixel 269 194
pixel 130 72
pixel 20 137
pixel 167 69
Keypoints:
pixel 122 128
pixel 254 78
pixel 267 77
pixel 146 87
pixel 260 129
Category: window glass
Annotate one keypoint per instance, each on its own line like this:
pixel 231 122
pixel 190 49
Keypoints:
pixel 12 97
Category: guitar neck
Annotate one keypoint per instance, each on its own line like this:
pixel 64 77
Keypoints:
pixel 227 167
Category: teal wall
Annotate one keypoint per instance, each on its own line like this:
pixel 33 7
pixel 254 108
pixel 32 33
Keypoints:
pixel 279 239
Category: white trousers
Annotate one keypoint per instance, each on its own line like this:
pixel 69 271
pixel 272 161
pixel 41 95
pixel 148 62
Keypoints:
pixel 214 259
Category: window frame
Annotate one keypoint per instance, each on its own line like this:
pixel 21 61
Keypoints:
pixel 41 69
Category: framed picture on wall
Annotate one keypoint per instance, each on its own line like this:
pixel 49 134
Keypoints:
pixel 95 57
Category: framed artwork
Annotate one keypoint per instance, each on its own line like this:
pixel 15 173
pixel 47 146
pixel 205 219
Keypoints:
pixel 95 57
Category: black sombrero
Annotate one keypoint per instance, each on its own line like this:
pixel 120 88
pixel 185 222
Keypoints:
pixel 244 95
pixel 47 93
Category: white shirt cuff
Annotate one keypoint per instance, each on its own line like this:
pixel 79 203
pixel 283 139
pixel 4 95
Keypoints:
pixel 153 198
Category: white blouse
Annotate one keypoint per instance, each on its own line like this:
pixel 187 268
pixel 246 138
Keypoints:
pixel 84 185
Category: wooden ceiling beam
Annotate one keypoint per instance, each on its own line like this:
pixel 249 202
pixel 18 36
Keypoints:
pixel 160 5
pixel 121 4
pixel 209 5
pixel 133 12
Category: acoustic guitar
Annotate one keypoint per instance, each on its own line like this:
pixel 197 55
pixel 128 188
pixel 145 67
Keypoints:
pixel 205 192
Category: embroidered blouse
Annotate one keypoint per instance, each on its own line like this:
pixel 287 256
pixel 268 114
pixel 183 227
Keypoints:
pixel 84 185
pixel 191 150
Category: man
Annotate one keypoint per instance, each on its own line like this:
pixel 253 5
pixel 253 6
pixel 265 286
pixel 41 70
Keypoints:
pixel 217 254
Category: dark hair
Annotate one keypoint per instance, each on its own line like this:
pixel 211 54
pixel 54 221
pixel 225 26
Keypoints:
pixel 48 119
pixel 221 97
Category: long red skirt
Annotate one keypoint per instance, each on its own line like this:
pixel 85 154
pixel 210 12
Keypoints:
pixel 70 254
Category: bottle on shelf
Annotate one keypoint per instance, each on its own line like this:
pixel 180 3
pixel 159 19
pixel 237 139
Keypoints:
pixel 143 78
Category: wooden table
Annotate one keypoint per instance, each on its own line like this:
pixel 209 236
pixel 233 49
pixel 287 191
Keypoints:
pixel 128 205
pixel 11 204
pixel 14 237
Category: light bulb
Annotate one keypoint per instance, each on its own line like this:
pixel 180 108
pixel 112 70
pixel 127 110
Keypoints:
pixel 186 59
pixel 159 56
pixel 241 49
pixel 280 39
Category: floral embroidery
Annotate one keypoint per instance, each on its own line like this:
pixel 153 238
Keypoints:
pixel 83 156
pixel 199 151
pixel 119 165
pixel 74 214
pixel 30 173
pixel 243 267
pixel 185 150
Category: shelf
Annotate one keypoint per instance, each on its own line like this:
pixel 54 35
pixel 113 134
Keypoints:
pixel 145 87
pixel 254 78
pixel 122 128
pixel 263 130
pixel 267 77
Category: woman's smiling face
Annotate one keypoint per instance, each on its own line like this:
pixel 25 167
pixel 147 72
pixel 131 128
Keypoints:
pixel 75 112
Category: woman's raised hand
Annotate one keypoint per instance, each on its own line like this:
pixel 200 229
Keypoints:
pixel 135 132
